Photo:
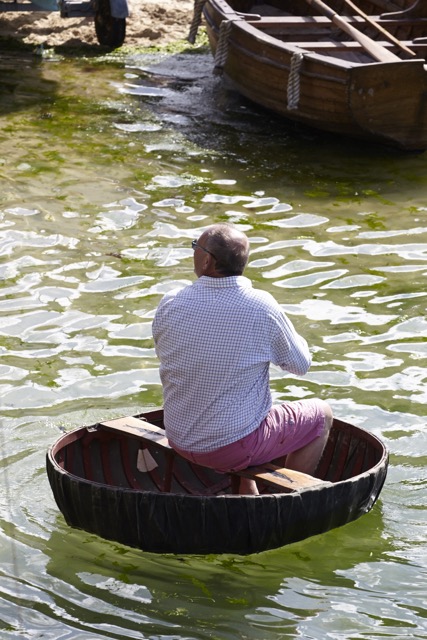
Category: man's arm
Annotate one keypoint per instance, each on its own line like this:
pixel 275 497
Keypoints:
pixel 290 350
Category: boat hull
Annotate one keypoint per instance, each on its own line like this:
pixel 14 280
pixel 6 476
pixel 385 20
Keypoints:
pixel 98 488
pixel 286 65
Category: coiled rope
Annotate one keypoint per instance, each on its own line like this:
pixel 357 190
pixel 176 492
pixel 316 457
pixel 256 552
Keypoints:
pixel 196 21
pixel 294 81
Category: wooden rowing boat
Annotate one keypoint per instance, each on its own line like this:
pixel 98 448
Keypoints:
pixel 356 70
pixel 119 479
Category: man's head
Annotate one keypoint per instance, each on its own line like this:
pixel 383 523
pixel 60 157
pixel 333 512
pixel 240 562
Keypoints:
pixel 222 250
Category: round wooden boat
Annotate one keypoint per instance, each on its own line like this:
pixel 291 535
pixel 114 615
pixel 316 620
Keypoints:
pixel 136 491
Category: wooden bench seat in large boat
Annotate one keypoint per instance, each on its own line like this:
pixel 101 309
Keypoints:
pixel 418 45
pixel 269 473
pixel 311 32
pixel 310 21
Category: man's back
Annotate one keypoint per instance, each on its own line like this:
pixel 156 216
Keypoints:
pixel 215 340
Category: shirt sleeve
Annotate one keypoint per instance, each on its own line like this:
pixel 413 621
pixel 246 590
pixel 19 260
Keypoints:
pixel 157 324
pixel 289 350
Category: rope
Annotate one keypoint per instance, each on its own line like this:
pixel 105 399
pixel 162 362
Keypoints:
pixel 196 21
pixel 222 46
pixel 294 81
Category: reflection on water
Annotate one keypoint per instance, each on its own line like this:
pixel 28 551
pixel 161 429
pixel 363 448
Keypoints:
pixel 108 171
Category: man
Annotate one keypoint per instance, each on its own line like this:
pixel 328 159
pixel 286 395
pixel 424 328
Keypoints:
pixel 215 340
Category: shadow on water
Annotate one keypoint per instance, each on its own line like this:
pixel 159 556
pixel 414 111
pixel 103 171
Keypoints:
pixel 203 111
pixel 203 114
pixel 22 81
pixel 265 591
pixel 195 101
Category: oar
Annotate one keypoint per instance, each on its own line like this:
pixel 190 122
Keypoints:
pixel 376 50
pixel 381 29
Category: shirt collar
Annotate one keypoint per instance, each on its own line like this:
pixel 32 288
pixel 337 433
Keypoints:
pixel 228 281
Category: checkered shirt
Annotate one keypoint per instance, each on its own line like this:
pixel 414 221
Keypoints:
pixel 215 340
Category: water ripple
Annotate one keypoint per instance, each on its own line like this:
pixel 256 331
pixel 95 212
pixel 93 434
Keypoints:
pixel 103 193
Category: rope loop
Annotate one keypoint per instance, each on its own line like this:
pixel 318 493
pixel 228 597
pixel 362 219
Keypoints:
pixel 294 80
pixel 221 53
pixel 196 21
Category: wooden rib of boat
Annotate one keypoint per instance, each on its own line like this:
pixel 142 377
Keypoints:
pixel 294 57
pixel 120 480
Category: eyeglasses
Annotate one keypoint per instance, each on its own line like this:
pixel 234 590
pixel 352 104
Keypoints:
pixel 195 244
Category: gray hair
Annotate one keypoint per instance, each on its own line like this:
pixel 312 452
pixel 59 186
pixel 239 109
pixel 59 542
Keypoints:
pixel 230 248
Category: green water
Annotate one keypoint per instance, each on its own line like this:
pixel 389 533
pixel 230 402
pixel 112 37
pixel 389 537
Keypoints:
pixel 109 168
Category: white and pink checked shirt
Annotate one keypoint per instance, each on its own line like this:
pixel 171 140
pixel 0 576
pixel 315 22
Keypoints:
pixel 215 340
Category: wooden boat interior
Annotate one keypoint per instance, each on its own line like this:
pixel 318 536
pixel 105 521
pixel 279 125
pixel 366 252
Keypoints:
pixel 121 459
pixel 296 22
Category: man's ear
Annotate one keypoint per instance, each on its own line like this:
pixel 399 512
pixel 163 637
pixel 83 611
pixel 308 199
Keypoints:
pixel 208 264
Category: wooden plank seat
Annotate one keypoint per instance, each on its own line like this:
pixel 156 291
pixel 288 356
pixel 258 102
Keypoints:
pixel 273 475
pixel 279 477
pixel 308 32
pixel 138 428
pixel 326 45
pixel 310 21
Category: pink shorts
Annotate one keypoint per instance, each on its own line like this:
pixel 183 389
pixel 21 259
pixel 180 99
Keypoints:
pixel 286 428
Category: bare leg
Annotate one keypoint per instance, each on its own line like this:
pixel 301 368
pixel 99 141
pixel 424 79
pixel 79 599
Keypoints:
pixel 248 487
pixel 307 458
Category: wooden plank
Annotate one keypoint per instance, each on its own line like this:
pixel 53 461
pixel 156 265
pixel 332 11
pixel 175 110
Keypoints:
pixel 310 21
pixel 292 21
pixel 281 477
pixel 137 428
pixel 374 23
pixel 352 46
pixel 298 21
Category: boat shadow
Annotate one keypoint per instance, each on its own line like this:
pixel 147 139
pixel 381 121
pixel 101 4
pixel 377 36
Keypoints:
pixel 242 588
pixel 183 92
